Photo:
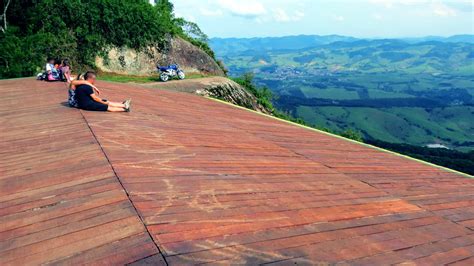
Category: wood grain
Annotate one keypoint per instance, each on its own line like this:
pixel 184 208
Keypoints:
pixel 212 184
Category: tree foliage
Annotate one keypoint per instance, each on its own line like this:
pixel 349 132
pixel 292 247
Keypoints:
pixel 82 29
pixel 192 30
pixel 352 134
pixel 461 161
pixel 263 94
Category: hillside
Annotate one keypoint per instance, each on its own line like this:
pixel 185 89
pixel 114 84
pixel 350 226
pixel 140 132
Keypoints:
pixel 216 87
pixel 185 180
pixel 128 37
pixel 226 46
pixel 419 92
pixel 127 61
pixel 229 46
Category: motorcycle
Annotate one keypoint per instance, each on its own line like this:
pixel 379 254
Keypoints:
pixel 171 71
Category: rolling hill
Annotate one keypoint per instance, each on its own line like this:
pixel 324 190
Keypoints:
pixel 418 91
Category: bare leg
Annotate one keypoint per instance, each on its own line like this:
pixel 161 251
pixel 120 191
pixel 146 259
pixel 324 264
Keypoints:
pixel 115 109
pixel 116 104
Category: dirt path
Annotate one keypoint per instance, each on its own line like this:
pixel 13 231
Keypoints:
pixel 189 85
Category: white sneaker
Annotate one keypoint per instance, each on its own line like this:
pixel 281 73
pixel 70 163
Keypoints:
pixel 127 103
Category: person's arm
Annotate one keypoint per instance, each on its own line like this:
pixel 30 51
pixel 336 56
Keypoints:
pixel 98 99
pixel 68 74
pixel 76 83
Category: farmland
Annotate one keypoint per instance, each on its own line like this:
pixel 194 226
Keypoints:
pixel 416 92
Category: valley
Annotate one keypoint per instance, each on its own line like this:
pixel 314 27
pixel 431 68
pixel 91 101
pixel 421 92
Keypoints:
pixel 417 91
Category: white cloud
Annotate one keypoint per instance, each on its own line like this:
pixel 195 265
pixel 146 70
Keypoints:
pixel 187 17
pixel 461 5
pixel 442 10
pixel 377 16
pixel 299 14
pixel 389 17
pixel 392 3
pixel 280 15
pixel 243 8
pixel 338 18
pixel 210 13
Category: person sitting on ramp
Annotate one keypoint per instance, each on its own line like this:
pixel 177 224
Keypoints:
pixel 87 99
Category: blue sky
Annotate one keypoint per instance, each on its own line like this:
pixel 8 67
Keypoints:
pixel 359 18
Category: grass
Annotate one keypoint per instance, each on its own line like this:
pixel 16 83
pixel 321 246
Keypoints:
pixel 126 78
pixel 329 93
pixel 404 124
pixel 374 94
pixel 140 79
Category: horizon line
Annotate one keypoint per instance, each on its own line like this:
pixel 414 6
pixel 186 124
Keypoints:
pixel 348 36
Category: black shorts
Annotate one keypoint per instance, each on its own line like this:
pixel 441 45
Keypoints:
pixel 95 106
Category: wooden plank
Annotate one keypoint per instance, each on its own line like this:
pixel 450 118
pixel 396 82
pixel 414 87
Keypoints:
pixel 60 200
pixel 212 184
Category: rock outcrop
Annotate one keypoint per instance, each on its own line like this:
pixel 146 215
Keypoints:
pixel 232 92
pixel 192 59
pixel 217 87
pixel 143 63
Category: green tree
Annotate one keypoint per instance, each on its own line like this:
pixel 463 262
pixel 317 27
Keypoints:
pixel 192 30
pixel 352 134
pixel 263 94
pixel 79 30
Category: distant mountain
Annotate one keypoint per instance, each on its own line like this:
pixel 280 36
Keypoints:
pixel 461 38
pixel 358 55
pixel 230 46
pixel 466 38
pixel 236 45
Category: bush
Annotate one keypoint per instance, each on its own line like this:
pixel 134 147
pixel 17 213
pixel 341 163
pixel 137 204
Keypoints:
pixel 352 134
pixel 263 94
pixel 17 53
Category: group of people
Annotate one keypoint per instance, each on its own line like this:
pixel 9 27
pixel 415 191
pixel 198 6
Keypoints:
pixel 57 70
pixel 83 94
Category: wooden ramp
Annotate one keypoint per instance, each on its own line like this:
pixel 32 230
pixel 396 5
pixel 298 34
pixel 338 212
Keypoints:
pixel 188 180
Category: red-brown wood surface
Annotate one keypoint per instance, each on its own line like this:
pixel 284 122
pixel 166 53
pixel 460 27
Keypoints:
pixel 60 201
pixel 211 184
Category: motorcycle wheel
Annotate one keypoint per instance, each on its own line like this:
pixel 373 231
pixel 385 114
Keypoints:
pixel 164 77
pixel 181 74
